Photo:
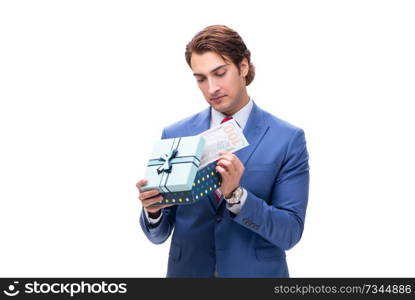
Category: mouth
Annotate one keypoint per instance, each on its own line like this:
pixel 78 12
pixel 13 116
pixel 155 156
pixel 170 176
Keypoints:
pixel 217 99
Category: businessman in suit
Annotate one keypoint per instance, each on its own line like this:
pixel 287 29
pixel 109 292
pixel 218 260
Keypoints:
pixel 244 228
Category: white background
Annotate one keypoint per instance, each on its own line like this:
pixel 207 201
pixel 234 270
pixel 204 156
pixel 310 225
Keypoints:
pixel 87 86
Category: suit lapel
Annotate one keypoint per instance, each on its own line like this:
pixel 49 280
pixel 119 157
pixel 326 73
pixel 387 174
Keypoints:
pixel 254 131
pixel 201 122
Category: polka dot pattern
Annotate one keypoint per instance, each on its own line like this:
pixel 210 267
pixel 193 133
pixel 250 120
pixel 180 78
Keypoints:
pixel 207 179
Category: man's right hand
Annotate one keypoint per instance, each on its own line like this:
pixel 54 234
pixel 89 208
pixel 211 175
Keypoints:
pixel 150 197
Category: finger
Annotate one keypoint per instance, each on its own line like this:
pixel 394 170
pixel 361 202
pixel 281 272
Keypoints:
pixel 230 157
pixel 153 209
pixel 227 156
pixel 148 194
pixel 147 202
pixel 223 172
pixel 140 183
pixel 236 163
pixel 227 165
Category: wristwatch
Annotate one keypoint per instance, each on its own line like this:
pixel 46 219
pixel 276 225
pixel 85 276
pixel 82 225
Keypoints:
pixel 236 196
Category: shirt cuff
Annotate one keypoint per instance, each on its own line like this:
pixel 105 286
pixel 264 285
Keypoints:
pixel 151 220
pixel 236 208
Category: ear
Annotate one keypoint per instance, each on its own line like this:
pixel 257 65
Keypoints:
pixel 244 67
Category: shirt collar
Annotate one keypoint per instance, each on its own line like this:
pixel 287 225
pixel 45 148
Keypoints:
pixel 241 117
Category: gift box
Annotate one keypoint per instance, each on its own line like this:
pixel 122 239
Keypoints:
pixel 173 170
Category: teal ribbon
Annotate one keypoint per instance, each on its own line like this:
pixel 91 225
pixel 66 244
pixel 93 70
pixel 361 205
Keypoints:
pixel 166 158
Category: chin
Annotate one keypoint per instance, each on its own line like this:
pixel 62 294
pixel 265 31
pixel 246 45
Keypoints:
pixel 219 106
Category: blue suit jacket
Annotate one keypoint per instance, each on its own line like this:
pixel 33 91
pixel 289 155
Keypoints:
pixel 252 243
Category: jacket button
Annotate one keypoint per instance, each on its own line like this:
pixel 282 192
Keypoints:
pixel 218 218
pixel 212 252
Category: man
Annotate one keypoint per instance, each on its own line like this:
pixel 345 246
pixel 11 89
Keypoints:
pixel 244 228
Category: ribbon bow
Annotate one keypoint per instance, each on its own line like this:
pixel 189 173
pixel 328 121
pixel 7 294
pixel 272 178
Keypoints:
pixel 166 167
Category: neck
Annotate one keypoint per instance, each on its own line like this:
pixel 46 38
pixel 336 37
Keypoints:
pixel 244 101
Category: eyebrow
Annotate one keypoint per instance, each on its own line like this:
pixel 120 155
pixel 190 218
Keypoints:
pixel 215 69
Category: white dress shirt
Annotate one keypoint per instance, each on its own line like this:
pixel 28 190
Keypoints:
pixel 241 117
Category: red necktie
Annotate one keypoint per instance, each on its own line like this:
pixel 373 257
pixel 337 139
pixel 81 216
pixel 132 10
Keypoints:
pixel 226 119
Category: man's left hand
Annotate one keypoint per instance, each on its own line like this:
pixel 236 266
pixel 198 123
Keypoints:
pixel 231 169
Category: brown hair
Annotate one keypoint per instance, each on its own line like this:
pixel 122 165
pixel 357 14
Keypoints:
pixel 223 41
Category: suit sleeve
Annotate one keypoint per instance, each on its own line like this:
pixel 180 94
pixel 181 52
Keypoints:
pixel 281 220
pixel 159 232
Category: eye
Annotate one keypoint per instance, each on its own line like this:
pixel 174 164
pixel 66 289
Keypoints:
pixel 200 80
pixel 221 74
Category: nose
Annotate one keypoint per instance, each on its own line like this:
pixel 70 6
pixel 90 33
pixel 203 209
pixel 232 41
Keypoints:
pixel 213 87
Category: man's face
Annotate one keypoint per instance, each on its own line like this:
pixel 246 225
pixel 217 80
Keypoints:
pixel 220 82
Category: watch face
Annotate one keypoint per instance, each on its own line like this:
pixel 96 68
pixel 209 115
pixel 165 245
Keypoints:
pixel 236 196
pixel 232 200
